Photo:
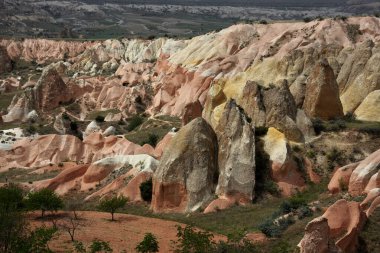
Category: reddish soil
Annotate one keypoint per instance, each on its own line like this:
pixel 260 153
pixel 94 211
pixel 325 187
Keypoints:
pixel 123 234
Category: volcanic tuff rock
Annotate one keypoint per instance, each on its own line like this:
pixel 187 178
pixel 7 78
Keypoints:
pixel 50 90
pixel 5 61
pixel 284 169
pixel 322 93
pixel 344 222
pixel 316 238
pixel 236 154
pixel 191 111
pixel 186 177
pixel 369 109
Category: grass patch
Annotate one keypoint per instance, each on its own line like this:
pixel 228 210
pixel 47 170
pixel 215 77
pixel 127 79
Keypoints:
pixel 157 127
pixel 92 115
pixel 18 175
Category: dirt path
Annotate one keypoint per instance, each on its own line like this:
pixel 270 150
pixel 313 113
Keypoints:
pixel 123 234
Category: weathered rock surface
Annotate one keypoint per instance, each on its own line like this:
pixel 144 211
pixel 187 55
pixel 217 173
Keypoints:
pixel 369 109
pixel 284 170
pixel 362 175
pixel 340 225
pixel 316 238
pixel 50 90
pixel 187 175
pixel 191 111
pixel 322 93
pixel 236 154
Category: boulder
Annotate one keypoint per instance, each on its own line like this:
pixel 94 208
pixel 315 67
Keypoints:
pixel 316 238
pixel 187 175
pixel 62 123
pixel 363 173
pixel 236 153
pixel 322 93
pixel 93 127
pixel 337 230
pixel 191 111
pixel 111 130
pixel 341 178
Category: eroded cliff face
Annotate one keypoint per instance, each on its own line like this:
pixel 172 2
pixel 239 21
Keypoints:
pixel 165 75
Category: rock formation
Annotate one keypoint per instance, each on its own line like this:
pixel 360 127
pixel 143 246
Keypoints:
pixel 186 177
pixel 369 109
pixel 50 90
pixel 340 224
pixel 236 154
pixel 284 169
pixel 322 93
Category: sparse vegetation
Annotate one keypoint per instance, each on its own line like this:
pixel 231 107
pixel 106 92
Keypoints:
pixel 44 200
pixel 111 205
pixel 148 245
pixel 134 122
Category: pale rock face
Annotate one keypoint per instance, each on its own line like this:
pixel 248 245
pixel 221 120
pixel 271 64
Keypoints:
pixel 236 153
pixel 369 109
pixel 363 77
pixel 111 130
pixel 305 125
pixel 284 170
pixel 186 177
pixel 32 116
pixel 20 107
pixel 322 93
pixel 61 124
pixel 93 127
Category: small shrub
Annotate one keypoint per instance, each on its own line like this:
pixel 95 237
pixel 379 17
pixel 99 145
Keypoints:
pixel 134 122
pixel 152 140
pixel 60 164
pixel 99 118
pixel 269 228
pixel 307 19
pixel 100 246
pixel 148 245
pixel 303 212
pixel 146 190
pixel 318 125
pixel 261 131
pixel 310 154
pixel 74 126
pixel 263 22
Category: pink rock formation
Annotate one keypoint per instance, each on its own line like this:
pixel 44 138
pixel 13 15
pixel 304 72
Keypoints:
pixel 363 173
pixel 341 178
pixel 191 111
pixel 5 61
pixel 68 179
pixel 42 50
pixel 344 222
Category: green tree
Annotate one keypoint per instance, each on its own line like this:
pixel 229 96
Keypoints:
pixel 112 205
pixel 191 241
pixel 44 200
pixel 15 233
pixel 12 222
pixel 148 245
